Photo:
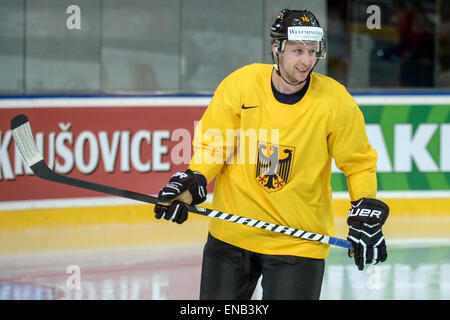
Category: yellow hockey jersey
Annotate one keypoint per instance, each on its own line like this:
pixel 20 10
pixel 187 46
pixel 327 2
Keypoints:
pixel 272 161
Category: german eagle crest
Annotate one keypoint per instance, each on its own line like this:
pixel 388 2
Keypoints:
pixel 273 166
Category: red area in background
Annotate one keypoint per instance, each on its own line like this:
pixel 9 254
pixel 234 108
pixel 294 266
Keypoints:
pixel 96 119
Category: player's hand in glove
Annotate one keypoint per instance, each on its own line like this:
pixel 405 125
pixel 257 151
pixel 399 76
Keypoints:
pixel 184 188
pixel 365 219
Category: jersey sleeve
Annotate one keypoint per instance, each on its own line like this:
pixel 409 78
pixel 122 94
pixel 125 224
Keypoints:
pixel 350 148
pixel 212 144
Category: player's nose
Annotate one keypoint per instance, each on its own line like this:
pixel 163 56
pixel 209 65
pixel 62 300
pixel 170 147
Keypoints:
pixel 305 60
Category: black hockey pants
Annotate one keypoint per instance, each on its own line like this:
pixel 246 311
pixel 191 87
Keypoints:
pixel 232 273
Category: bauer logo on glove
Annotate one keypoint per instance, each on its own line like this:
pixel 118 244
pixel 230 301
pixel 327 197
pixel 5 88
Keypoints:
pixel 363 212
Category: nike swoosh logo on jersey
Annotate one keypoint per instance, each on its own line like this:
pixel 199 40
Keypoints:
pixel 249 107
pixel 167 193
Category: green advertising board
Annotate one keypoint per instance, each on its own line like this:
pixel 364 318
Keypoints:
pixel 413 146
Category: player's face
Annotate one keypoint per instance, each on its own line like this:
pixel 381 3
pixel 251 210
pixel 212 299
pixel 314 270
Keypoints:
pixel 297 60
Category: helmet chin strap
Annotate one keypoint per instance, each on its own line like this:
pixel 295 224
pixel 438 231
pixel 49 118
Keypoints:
pixel 290 83
pixel 276 65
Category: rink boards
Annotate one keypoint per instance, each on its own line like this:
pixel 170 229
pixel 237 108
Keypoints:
pixel 136 143
pixel 58 229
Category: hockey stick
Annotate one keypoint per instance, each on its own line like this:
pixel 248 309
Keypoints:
pixel 24 140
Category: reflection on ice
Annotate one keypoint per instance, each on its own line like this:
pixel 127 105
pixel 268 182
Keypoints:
pixel 387 281
pixel 167 273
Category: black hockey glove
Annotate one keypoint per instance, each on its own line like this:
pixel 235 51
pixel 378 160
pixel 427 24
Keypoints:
pixel 365 219
pixel 187 187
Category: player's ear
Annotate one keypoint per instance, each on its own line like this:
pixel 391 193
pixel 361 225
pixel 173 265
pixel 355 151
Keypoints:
pixel 274 49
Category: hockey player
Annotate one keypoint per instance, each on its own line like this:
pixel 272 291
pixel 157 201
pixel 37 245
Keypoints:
pixel 315 119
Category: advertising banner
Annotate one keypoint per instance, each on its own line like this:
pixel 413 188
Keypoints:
pixel 133 148
pixel 413 146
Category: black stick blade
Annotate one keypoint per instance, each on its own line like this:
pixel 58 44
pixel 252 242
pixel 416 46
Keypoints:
pixel 23 138
pixel 18 120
